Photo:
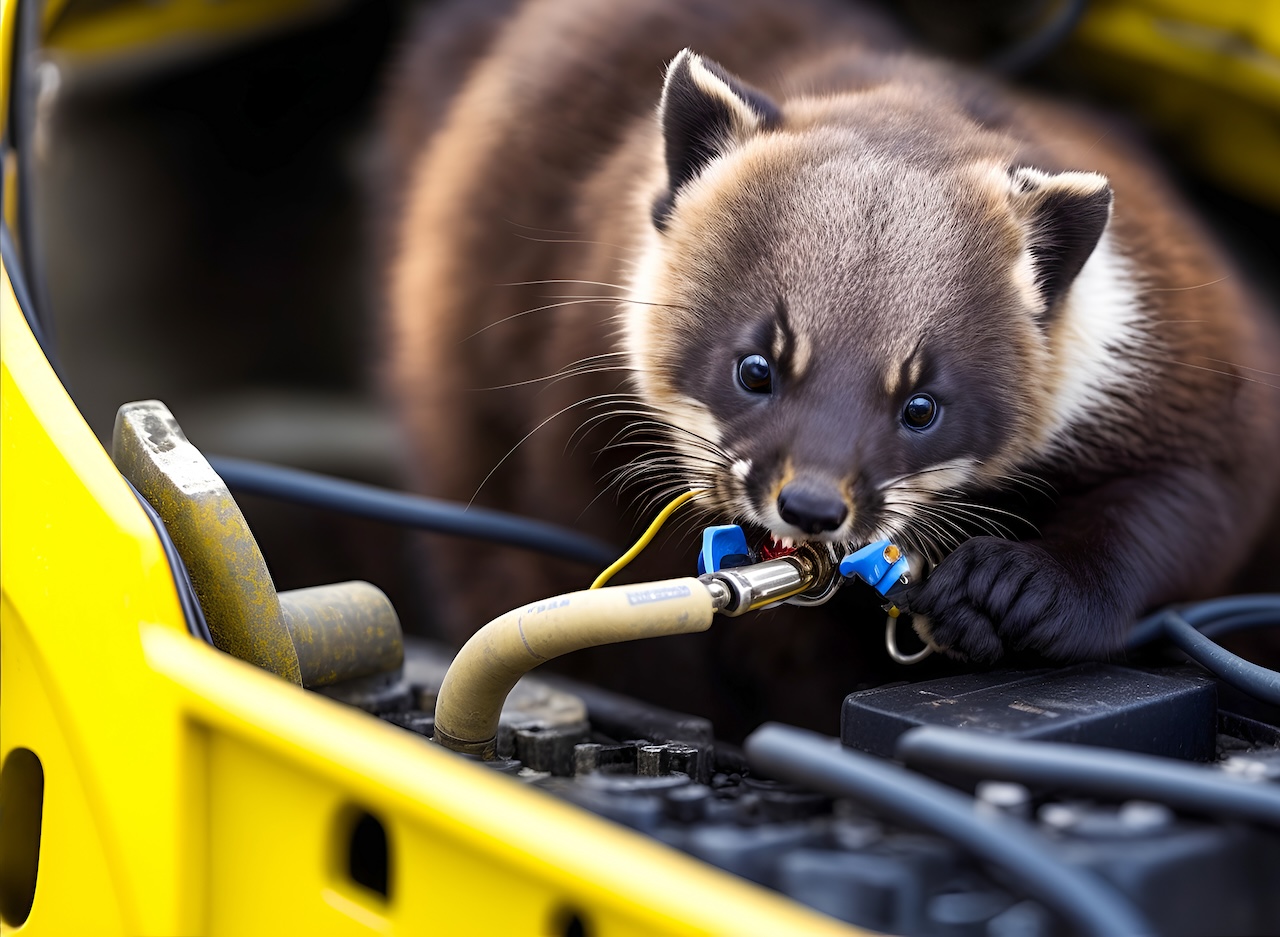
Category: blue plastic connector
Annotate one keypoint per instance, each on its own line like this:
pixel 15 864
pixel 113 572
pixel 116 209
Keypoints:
pixel 721 547
pixel 879 565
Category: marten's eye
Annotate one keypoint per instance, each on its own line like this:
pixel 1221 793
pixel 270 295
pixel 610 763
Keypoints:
pixel 920 411
pixel 755 374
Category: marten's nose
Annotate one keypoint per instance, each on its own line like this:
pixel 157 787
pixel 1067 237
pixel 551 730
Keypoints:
pixel 814 507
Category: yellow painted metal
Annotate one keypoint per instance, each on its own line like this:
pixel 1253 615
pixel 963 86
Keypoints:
pixel 1206 74
pixel 80 567
pixel 8 33
pixel 132 28
pixel 187 792
pixel 473 852
pixel 1232 45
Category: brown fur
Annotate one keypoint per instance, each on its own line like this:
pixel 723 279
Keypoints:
pixel 532 154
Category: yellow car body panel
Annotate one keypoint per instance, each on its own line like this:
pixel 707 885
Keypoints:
pixel 1205 74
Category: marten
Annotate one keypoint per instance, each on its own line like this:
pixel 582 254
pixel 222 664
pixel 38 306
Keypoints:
pixel 766 249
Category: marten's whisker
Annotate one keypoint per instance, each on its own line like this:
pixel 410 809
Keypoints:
pixel 529 312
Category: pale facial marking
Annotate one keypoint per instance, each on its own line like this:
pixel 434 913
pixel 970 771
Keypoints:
pixel 801 354
pixel 640 334
pixel 900 360
pixel 692 416
pixel 1023 274
pixel 892 379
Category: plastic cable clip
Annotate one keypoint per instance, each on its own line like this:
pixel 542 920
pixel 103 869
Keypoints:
pixel 723 547
pixel 879 565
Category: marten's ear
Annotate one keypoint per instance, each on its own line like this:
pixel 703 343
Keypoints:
pixel 704 111
pixel 1064 215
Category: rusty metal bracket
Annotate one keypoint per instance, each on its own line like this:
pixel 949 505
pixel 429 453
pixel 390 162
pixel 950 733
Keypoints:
pixel 313 637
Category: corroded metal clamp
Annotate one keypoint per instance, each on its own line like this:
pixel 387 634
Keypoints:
pixel 313 637
pixel 807 574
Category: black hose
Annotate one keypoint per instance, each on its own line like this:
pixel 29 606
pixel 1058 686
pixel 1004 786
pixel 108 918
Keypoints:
pixel 23 92
pixel 1211 617
pixel 1199 613
pixel 1245 676
pixel 1190 627
pixel 19 282
pixel 395 507
pixel 187 598
pixel 1084 769
pixel 9 254
pixel 1229 624
pixel 1088 903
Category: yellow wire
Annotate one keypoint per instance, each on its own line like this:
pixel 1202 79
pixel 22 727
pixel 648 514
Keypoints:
pixel 646 537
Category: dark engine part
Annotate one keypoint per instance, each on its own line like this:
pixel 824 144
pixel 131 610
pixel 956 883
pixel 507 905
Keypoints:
pixel 1167 712
pixel 664 775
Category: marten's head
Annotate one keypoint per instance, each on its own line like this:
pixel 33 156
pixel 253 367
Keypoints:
pixel 849 306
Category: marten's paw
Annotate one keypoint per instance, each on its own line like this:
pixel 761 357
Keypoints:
pixel 991 597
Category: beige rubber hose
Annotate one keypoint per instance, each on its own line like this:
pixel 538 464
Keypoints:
pixel 500 653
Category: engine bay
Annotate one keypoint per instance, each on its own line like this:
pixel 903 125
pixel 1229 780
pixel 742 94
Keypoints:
pixel 664 774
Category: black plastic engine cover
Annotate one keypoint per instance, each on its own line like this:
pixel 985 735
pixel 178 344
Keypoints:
pixel 1170 713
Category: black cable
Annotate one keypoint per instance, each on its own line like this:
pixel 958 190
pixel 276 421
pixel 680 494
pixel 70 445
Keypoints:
pixel 9 253
pixel 1243 621
pixel 1211 617
pixel 1088 903
pixel 12 266
pixel 1085 769
pixel 1245 676
pixel 1035 48
pixel 1189 628
pixel 187 598
pixel 22 122
pixel 395 507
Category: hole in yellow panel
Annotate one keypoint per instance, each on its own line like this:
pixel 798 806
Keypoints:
pixel 369 854
pixel 21 813
pixel 566 922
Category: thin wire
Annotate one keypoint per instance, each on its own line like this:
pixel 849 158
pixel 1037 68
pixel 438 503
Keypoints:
pixel 891 642
pixel 26 301
pixel 646 537
pixel 197 624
